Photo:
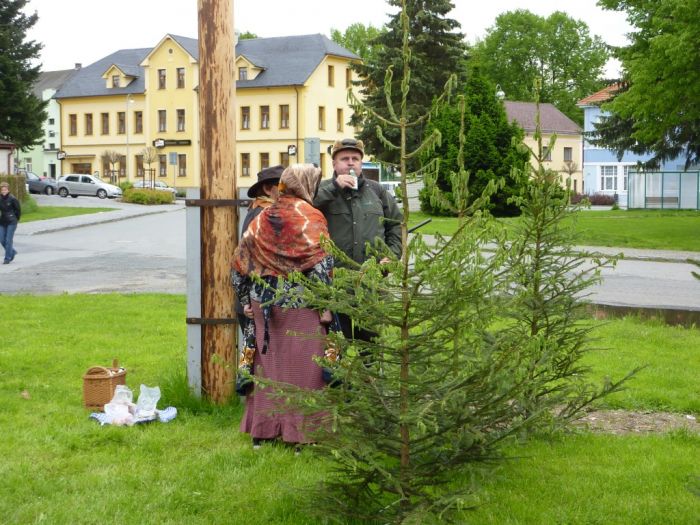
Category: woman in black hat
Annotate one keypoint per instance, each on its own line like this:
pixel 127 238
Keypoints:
pixel 264 192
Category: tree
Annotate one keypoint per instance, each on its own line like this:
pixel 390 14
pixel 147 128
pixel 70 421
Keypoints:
pixel 491 148
pixel 465 359
pixel 437 52
pixel 111 157
pixel 522 46
pixel 22 114
pixel 357 38
pixel 247 35
pixel 657 109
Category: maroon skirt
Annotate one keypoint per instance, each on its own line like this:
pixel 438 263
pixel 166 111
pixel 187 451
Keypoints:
pixel 295 339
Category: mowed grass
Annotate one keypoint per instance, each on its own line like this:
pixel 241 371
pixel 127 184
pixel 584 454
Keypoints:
pixel 55 212
pixel 60 467
pixel 652 229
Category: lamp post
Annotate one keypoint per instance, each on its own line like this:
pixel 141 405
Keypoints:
pixel 126 131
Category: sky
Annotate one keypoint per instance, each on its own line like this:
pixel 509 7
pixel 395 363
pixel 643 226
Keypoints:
pixel 83 31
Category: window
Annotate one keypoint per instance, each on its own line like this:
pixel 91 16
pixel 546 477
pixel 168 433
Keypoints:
pixel 284 116
pixel 162 117
pixel 245 117
pixel 161 79
pixel 139 166
pixel 182 165
pixel 180 77
pixel 625 174
pixel 52 121
pixel 138 121
pixel 568 154
pixel 284 159
pixel 264 160
pixel 331 76
pixel 121 122
pixel 339 117
pixel 105 123
pixel 348 77
pixel 115 81
pixel 608 178
pixel 264 117
pixel 321 118
pixel 245 164
pixel 546 154
pixel 122 165
pixel 73 124
pixel 181 120
pixel 106 172
pixel 88 124
pixel 162 165
pixel 242 73
pixel 52 133
pixel 52 145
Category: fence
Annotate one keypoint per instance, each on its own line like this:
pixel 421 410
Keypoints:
pixel 664 190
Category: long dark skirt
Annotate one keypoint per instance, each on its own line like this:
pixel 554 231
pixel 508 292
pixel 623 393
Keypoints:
pixel 294 341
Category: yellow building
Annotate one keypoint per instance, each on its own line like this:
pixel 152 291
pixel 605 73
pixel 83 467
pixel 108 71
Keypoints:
pixel 567 155
pixel 140 103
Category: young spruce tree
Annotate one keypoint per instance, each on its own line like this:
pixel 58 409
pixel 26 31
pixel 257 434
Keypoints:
pixel 466 355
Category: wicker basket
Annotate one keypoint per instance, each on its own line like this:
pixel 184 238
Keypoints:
pixel 99 384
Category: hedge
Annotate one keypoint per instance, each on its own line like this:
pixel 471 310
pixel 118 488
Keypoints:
pixel 146 196
pixel 16 183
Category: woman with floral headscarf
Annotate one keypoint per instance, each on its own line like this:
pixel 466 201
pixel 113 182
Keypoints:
pixel 284 238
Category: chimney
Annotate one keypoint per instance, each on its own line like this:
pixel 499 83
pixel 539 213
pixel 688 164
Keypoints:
pixel 78 65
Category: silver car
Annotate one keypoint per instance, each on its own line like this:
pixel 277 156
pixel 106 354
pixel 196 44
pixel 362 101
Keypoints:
pixel 75 184
pixel 155 185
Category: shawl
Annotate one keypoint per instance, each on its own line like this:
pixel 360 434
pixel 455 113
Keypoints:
pixel 286 236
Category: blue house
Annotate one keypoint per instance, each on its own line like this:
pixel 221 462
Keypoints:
pixel 669 187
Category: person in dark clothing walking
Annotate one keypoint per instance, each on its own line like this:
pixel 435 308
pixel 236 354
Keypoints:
pixel 10 211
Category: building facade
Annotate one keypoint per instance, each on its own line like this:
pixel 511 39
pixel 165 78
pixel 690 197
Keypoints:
pixel 566 156
pixel 135 113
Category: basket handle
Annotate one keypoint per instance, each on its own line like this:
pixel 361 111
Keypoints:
pixel 97 370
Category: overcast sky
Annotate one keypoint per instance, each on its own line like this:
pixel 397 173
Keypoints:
pixel 86 30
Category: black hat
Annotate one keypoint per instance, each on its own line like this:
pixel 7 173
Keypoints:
pixel 271 174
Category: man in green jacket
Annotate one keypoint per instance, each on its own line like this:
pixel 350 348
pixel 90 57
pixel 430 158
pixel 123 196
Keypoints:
pixel 359 212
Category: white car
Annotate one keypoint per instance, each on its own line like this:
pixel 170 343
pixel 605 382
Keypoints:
pixel 155 185
pixel 75 184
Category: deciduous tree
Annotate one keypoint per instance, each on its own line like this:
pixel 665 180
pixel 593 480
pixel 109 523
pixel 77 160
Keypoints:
pixel 22 114
pixel 358 38
pixel 522 47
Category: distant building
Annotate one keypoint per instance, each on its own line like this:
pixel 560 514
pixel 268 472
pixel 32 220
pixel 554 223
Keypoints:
pixel 43 159
pixel 291 104
pixel 566 156
pixel 604 173
pixel 7 161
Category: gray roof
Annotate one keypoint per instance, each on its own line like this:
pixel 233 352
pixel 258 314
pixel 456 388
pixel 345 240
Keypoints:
pixel 286 61
pixel 51 80
pixel 88 81
pixel 551 119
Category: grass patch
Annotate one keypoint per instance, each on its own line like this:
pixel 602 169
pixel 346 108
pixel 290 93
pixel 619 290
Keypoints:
pixel 62 468
pixel 652 229
pixel 55 212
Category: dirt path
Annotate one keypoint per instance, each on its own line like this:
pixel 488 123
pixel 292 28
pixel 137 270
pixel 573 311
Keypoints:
pixel 629 422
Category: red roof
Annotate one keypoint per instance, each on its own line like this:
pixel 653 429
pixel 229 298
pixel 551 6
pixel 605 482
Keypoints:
pixel 551 119
pixel 600 96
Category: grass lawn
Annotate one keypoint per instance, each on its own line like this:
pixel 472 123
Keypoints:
pixel 55 212
pixel 60 467
pixel 654 229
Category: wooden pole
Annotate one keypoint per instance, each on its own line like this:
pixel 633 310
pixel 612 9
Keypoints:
pixel 217 143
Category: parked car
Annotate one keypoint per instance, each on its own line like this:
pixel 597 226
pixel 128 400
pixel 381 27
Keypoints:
pixel 37 184
pixel 75 184
pixel 155 185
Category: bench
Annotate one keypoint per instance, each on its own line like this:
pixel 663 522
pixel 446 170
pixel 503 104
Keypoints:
pixel 663 201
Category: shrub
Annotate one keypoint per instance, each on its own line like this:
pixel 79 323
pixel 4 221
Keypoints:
pixel 16 183
pixel 599 199
pixel 126 185
pixel 146 196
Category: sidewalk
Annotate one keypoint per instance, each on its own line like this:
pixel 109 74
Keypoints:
pixel 118 213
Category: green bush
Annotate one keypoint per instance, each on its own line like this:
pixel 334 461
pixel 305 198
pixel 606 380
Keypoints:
pixel 146 196
pixel 126 185
pixel 16 183
pixel 29 204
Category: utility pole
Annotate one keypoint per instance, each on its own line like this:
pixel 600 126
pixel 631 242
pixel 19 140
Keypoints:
pixel 219 235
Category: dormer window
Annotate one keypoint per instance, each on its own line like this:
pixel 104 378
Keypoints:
pixel 242 73
pixel 115 81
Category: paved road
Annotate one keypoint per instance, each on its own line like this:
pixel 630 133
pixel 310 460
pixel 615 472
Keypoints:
pixel 132 252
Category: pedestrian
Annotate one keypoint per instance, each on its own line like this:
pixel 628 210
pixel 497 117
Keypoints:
pixel 359 212
pixel 264 193
pixel 10 212
pixel 284 238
